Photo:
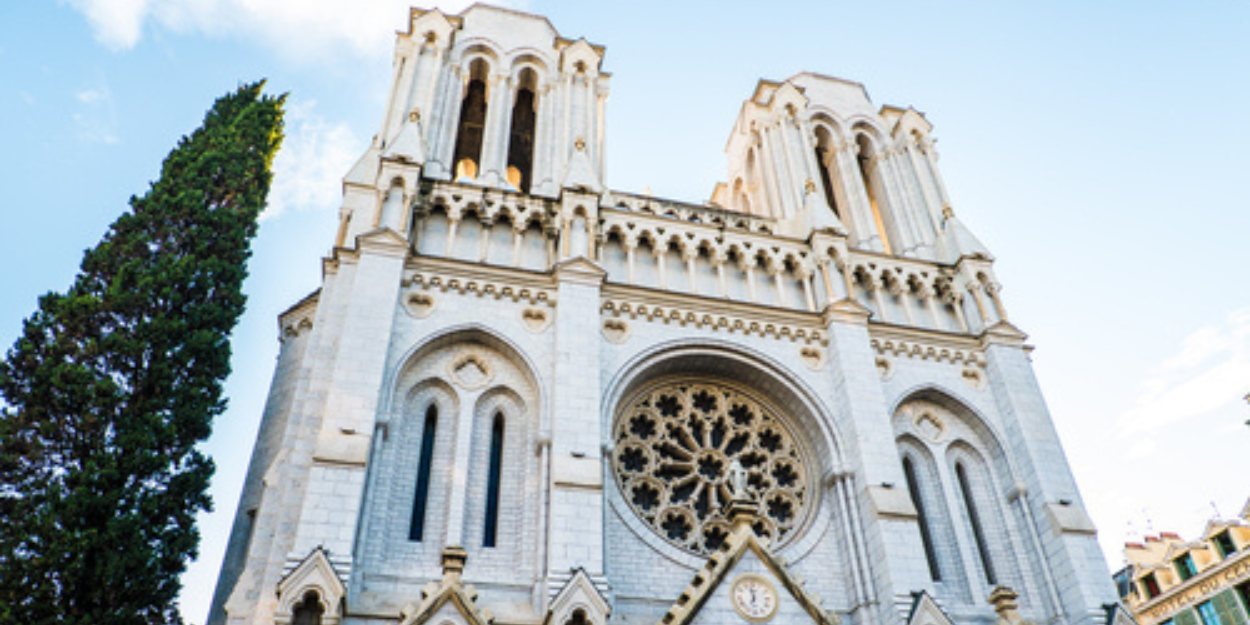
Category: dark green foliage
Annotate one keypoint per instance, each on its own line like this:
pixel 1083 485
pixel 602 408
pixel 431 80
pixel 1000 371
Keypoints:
pixel 113 383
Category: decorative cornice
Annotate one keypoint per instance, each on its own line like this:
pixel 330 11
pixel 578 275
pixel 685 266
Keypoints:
pixel 637 303
pixel 481 280
pixel 927 345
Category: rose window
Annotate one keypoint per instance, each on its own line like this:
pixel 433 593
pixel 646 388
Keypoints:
pixel 674 449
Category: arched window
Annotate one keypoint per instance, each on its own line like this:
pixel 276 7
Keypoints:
pixel 866 167
pixel 495 475
pixel 308 611
pixel 469 135
pixel 425 464
pixel 974 519
pixel 521 136
pixel 926 537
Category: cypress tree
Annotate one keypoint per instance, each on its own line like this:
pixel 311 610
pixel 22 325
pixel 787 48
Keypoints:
pixel 113 383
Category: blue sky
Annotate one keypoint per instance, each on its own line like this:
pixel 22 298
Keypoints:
pixel 1099 149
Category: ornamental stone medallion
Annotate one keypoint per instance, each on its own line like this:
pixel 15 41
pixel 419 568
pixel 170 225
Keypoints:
pixel 674 446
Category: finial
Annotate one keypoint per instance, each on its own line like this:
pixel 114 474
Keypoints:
pixel 453 561
pixel 1003 599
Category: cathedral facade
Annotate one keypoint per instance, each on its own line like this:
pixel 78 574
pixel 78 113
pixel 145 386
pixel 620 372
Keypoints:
pixel 522 397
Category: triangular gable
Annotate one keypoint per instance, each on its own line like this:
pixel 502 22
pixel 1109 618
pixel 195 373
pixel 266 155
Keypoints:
pixel 580 592
pixel 408 146
pixel 314 574
pixel 926 611
pixel 741 543
pixel 1117 615
pixel 451 593
pixel 421 22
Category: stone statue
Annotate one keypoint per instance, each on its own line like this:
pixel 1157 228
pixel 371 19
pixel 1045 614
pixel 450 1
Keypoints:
pixel 737 480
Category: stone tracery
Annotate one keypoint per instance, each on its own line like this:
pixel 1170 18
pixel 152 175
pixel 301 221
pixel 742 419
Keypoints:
pixel 675 446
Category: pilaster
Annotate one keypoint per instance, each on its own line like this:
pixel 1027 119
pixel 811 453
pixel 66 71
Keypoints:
pixel 874 493
pixel 1054 506
pixel 575 538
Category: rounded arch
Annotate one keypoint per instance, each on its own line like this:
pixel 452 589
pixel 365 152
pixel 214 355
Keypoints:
pixel 465 52
pixel 861 125
pixel 467 333
pixel 528 58
pixel 964 410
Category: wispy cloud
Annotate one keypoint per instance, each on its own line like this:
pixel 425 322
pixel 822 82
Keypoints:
pixel 95 117
pixel 1209 371
pixel 308 170
pixel 309 29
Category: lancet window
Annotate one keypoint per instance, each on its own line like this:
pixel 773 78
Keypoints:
pixel 425 465
pixel 309 611
pixel 490 531
pixel 472 128
pixel 926 531
pixel 521 135
pixel 974 520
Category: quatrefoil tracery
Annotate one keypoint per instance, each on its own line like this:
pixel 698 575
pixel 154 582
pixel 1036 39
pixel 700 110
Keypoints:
pixel 674 447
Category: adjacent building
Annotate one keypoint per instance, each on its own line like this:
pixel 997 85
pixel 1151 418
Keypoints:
pixel 523 397
pixel 1172 581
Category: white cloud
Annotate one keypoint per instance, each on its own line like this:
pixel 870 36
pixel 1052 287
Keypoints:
pixel 96 117
pixel 117 23
pixel 1210 371
pixel 308 170
pixel 309 29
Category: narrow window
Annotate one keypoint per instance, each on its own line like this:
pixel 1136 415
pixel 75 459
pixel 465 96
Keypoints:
pixel 913 487
pixel 1224 543
pixel 469 135
pixel 422 498
pixel 978 532
pixel 492 484
pixel 1150 585
pixel 1185 566
pixel 308 611
pixel 521 137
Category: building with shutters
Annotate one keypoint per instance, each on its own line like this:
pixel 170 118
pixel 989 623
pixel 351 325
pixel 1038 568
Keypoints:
pixel 523 397
pixel 1172 581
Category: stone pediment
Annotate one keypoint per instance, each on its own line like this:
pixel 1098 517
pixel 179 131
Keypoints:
pixel 449 599
pixel 315 576
pixel 1117 615
pixel 744 558
pixel 925 611
pixel 579 593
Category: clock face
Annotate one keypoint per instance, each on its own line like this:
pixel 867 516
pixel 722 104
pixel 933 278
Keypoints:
pixel 754 598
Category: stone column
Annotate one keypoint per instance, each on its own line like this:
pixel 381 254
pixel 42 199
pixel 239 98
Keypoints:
pixel 859 207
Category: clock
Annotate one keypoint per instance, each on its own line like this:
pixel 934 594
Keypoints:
pixel 754 597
